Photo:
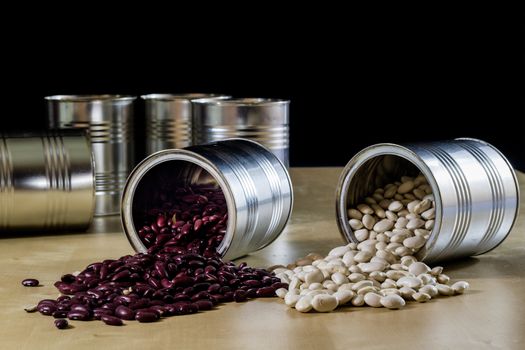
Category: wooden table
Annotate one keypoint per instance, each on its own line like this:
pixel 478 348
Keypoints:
pixel 491 315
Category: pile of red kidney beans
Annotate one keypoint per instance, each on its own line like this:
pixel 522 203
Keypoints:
pixel 180 274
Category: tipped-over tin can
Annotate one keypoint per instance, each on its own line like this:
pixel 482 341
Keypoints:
pixel 46 181
pixel 169 120
pixel 263 120
pixel 475 190
pixel 256 186
pixel 109 122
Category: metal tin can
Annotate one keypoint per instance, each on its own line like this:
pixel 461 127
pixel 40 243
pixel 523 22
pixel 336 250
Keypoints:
pixel 46 181
pixel 109 121
pixel 169 120
pixel 263 120
pixel 256 186
pixel 475 190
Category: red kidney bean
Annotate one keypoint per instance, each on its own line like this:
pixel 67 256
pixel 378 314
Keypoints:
pixel 278 285
pixel 146 316
pixel 99 312
pixel 203 305
pixel 60 314
pixel 239 296
pixel 265 292
pixel 252 283
pixel 251 292
pixel 61 324
pixel 30 282
pixel 78 315
pixel 185 308
pixel 46 309
pixel 111 320
pixel 124 313
pixel 68 278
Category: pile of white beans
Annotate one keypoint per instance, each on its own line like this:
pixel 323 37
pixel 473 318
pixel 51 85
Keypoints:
pixel 381 270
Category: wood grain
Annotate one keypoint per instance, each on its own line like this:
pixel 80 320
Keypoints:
pixel 491 315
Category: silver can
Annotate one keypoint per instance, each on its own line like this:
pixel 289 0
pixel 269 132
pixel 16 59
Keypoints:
pixel 256 186
pixel 46 181
pixel 169 120
pixel 475 189
pixel 109 121
pixel 263 120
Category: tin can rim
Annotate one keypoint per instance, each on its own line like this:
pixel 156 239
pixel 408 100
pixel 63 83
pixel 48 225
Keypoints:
pixel 180 97
pixel 90 98
pixel 243 102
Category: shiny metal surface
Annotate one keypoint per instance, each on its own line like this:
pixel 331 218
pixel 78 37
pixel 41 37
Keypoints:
pixel 46 181
pixel 169 120
pixel 256 185
pixel 109 121
pixel 475 189
pixel 263 120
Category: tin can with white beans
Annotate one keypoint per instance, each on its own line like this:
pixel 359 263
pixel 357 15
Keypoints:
pixel 475 190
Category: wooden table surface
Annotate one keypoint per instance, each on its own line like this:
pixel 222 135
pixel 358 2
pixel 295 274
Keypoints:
pixel 491 315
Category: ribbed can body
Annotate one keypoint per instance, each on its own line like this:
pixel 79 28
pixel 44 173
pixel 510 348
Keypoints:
pixel 109 122
pixel 256 186
pixel 169 120
pixel 475 189
pixel 262 120
pixel 46 182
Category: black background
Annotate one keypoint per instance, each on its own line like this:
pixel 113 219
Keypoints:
pixel 351 84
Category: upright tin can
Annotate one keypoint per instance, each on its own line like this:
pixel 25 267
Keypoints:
pixel 256 186
pixel 169 120
pixel 46 181
pixel 263 120
pixel 109 122
pixel 475 190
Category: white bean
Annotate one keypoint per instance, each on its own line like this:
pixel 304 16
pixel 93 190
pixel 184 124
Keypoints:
pixel 324 303
pixel 365 209
pixel 411 282
pixel 355 214
pixel 372 299
pixel 355 224
pixel 363 256
pixel 339 251
pixel 358 300
pixel 343 296
pixel 339 278
pixel 314 276
pixel 395 206
pixel 417 268
pixel 383 225
pixel 361 235
pixel 372 266
pixel 429 214
pixel 443 289
pixel 405 187
pixel 415 223
pixel 291 299
pixel 392 301
pixel 304 304
pixel 430 290
pixel 415 242
pixel 460 287
pixel 281 292
pixel 421 297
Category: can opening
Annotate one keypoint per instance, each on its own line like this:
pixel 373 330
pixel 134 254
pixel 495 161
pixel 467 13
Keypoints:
pixel 376 173
pixel 178 203
pixel 373 169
